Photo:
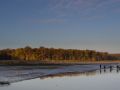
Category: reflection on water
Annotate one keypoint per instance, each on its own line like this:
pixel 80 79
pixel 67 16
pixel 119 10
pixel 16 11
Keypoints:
pixel 103 79
pixel 69 74
pixel 90 73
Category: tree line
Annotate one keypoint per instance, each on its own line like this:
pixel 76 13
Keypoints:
pixel 40 54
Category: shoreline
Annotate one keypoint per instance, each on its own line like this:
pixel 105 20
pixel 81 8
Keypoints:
pixel 53 62
pixel 14 74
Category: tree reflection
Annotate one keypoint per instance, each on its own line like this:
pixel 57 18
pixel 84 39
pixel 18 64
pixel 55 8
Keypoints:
pixel 90 73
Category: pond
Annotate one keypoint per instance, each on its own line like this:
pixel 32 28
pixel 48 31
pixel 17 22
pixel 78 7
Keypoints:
pixel 95 80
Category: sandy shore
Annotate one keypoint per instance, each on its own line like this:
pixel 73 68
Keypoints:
pixel 13 74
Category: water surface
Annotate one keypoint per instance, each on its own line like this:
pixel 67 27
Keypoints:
pixel 95 80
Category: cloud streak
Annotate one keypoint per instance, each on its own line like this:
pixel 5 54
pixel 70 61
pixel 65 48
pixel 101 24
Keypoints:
pixel 76 4
pixel 81 6
pixel 48 21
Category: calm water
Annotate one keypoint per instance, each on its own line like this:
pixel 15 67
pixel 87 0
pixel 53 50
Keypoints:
pixel 97 80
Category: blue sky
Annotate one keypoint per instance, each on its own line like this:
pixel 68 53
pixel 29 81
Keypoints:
pixel 77 24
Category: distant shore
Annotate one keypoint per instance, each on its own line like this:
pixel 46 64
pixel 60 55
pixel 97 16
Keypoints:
pixel 54 62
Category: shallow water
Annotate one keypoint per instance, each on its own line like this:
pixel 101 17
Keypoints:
pixel 96 80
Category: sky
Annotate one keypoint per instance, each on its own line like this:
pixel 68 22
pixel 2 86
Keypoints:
pixel 75 24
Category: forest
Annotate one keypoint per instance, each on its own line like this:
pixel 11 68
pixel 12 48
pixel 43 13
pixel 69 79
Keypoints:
pixel 40 54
